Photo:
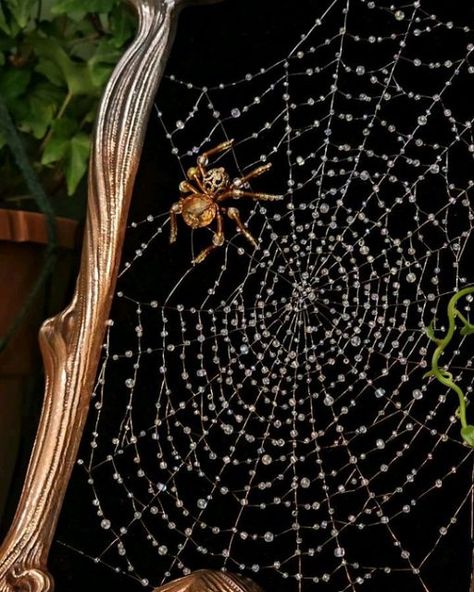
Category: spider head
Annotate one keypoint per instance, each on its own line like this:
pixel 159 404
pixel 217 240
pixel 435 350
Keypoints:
pixel 215 180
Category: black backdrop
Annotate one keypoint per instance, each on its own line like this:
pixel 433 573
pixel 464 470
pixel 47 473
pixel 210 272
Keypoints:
pixel 218 43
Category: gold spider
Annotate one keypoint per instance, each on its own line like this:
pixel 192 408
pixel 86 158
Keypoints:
pixel 206 189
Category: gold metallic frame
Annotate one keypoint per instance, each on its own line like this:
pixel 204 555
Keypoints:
pixel 71 341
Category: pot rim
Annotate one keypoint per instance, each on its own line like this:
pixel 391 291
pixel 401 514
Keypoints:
pixel 21 226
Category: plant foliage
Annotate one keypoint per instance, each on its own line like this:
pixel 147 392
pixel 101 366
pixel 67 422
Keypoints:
pixel 55 58
pixel 443 375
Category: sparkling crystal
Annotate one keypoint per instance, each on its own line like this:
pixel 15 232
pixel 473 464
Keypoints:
pixel 329 304
pixel 328 400
pixel 324 208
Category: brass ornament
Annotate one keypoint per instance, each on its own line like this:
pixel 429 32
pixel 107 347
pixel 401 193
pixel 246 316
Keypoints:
pixel 210 581
pixel 203 193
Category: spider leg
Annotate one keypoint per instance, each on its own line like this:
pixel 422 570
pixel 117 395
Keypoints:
pixel 238 193
pixel 234 215
pixel 198 173
pixel 219 148
pixel 255 173
pixel 175 209
pixel 187 187
pixel 204 157
pixel 217 240
pixel 195 174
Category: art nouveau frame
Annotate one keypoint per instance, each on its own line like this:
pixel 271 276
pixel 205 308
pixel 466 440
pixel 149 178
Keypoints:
pixel 71 341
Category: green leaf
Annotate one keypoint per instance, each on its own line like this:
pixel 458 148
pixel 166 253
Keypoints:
pixel 21 10
pixel 89 117
pixel 73 154
pixel 82 6
pixel 54 150
pixel 467 434
pixel 122 25
pixel 13 84
pixel 50 71
pixel 3 21
pixel 43 103
pixel 102 62
pixel 46 6
pixel 56 146
pixel 65 128
pixel 77 157
pixel 75 75
pixel 100 73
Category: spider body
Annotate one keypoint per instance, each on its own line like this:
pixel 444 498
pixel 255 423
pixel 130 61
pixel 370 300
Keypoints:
pixel 202 195
pixel 198 210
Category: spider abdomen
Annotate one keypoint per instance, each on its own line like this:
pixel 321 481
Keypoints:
pixel 198 210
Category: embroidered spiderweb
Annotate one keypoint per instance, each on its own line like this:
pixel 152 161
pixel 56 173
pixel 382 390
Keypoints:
pixel 265 411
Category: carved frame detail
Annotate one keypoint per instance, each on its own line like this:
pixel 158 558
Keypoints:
pixel 71 341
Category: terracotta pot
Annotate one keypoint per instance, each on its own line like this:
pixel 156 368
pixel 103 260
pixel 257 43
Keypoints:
pixel 23 240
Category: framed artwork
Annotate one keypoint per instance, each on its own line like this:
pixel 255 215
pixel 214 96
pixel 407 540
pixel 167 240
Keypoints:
pixel 263 379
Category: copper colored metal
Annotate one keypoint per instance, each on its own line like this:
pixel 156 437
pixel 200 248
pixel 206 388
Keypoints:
pixel 210 581
pixel 71 341
pixel 31 227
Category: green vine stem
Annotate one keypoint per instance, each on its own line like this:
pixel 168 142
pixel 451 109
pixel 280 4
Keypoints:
pixel 444 376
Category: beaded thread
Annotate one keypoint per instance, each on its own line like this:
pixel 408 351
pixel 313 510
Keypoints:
pixel 265 411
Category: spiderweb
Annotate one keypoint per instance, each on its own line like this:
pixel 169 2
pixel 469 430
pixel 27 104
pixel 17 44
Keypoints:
pixel 265 411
